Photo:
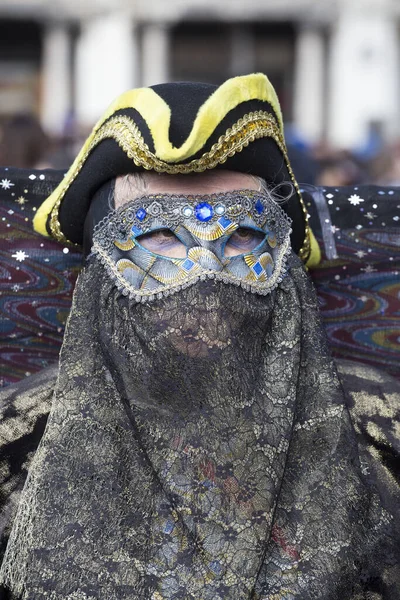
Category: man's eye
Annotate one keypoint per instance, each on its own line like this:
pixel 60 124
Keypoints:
pixel 164 242
pixel 243 240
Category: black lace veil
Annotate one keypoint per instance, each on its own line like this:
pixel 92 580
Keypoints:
pixel 199 447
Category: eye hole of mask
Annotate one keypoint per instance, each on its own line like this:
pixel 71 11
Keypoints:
pixel 163 242
pixel 242 241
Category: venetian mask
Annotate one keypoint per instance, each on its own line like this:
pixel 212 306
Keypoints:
pixel 155 245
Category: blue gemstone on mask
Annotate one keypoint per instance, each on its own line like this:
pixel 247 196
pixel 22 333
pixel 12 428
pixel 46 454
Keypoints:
pixel 257 268
pixel 141 214
pixel 188 264
pixel 203 211
pixel 259 206
pixel 136 230
pixel 224 222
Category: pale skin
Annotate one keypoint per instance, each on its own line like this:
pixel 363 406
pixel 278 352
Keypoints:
pixel 129 187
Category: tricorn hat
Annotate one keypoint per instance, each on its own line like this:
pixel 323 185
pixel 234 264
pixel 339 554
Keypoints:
pixel 179 128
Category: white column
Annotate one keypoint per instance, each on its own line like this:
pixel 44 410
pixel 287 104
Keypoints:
pixel 155 54
pixel 243 50
pixel 56 78
pixel 364 72
pixel 309 84
pixel 105 64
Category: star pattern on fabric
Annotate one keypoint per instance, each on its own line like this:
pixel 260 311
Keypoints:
pixel 6 184
pixel 370 215
pixel 369 269
pixel 355 200
pixel 361 253
pixel 21 200
pixel 334 229
pixel 20 255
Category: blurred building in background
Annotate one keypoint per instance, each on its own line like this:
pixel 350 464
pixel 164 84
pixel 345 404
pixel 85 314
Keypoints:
pixel 334 63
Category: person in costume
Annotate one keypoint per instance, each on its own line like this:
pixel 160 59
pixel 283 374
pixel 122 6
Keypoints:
pixel 201 441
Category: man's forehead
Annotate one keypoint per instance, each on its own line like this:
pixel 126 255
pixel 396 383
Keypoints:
pixel 131 186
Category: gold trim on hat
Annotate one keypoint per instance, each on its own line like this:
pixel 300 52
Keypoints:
pixel 126 133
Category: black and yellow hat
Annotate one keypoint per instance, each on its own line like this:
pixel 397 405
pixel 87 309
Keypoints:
pixel 179 128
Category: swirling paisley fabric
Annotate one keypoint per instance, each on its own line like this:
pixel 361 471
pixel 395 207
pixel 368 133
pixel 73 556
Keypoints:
pixel 37 277
pixel 358 280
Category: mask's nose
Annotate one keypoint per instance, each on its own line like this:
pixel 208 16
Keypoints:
pixel 205 258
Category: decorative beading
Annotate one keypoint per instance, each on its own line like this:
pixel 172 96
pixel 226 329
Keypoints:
pixel 205 224
pixel 171 209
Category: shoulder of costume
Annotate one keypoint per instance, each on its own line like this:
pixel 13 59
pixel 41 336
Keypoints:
pixel 30 185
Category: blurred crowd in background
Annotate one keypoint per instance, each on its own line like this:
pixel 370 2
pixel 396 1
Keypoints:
pixel 335 65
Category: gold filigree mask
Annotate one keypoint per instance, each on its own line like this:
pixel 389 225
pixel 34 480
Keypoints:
pixel 158 244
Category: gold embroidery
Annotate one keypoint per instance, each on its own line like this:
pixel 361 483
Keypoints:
pixel 126 133
pixel 262 286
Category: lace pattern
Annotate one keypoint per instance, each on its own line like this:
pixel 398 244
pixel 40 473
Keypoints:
pixel 198 446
